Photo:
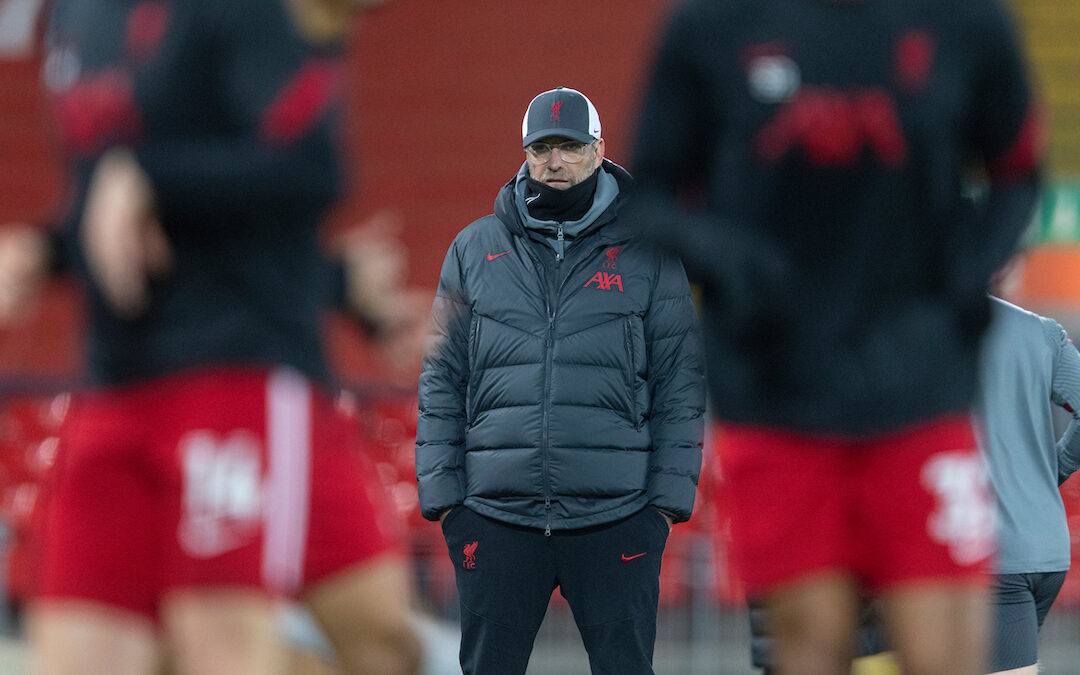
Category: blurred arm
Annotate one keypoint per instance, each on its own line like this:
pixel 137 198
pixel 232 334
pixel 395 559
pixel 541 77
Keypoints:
pixel 276 144
pixel 673 138
pixel 440 428
pixel 676 136
pixel 271 147
pixel 1007 136
pixel 372 264
pixel 26 254
pixel 1066 393
pixel 121 238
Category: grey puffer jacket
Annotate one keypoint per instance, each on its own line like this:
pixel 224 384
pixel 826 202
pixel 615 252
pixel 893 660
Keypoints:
pixel 560 394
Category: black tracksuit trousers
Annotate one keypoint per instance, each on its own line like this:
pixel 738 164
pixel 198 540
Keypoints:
pixel 609 575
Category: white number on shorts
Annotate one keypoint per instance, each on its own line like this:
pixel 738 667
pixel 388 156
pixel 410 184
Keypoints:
pixel 222 507
pixel 964 518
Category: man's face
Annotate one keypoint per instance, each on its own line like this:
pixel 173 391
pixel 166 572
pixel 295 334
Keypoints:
pixel 556 171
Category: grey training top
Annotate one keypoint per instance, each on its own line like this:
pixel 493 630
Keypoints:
pixel 1028 362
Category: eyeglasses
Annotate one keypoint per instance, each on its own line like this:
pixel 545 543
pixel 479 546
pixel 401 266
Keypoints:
pixel 570 152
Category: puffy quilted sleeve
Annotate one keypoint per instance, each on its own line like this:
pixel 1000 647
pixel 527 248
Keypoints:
pixel 677 380
pixel 440 429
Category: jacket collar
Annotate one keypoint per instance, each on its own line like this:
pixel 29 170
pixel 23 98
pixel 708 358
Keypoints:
pixel 606 227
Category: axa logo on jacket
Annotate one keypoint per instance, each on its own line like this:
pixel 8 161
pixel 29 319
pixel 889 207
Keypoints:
pixel 606 282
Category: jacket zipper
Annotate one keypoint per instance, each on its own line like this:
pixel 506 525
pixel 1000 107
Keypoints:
pixel 554 290
pixel 552 294
pixel 549 343
pixel 470 392
pixel 631 374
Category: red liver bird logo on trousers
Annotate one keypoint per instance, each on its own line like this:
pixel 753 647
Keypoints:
pixel 470 555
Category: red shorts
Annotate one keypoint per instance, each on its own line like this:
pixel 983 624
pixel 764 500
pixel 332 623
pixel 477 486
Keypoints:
pixel 913 505
pixel 231 477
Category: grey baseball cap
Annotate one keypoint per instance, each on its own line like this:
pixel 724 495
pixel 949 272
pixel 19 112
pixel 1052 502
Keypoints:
pixel 560 112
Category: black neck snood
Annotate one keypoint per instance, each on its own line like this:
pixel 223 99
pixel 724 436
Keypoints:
pixel 561 206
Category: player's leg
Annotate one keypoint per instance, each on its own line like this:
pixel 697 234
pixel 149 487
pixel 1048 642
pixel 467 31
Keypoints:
pixel 788 499
pixel 1015 630
pixel 1021 602
pixel 928 518
pixel 938 628
pixel 364 612
pixel 69 637
pixel 358 584
pixel 1046 586
pixel 813 621
pixel 95 610
pixel 310 651
pixel 222 631
pixel 871 651
pixel 610 576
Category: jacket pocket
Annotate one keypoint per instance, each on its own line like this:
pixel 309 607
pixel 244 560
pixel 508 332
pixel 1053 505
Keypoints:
pixel 470 387
pixel 631 371
pixel 455 511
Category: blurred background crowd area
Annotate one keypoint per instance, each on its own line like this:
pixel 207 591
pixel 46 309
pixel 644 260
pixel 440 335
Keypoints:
pixel 435 98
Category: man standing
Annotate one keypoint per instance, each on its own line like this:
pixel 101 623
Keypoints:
pixel 827 144
pixel 1028 365
pixel 561 403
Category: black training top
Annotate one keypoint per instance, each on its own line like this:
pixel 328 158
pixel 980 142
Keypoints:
pixel 825 144
pixel 233 116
